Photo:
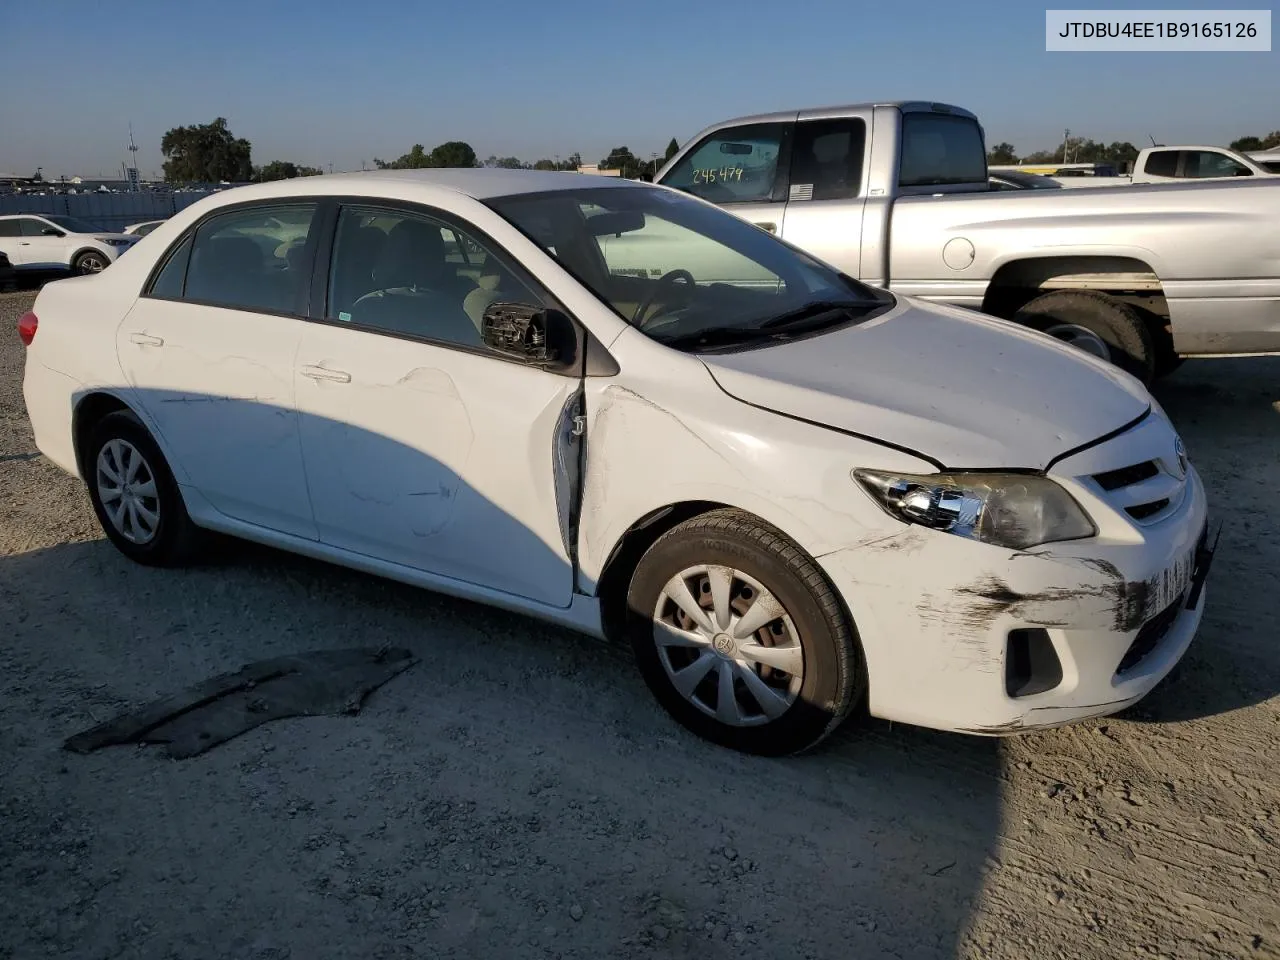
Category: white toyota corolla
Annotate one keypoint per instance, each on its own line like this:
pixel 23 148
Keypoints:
pixel 791 494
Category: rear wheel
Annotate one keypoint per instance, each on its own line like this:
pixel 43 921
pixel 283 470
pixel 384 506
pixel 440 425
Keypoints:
pixel 1095 323
pixel 91 261
pixel 134 494
pixel 740 636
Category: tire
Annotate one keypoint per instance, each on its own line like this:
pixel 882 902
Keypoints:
pixel 1099 324
pixel 804 708
pixel 172 539
pixel 89 262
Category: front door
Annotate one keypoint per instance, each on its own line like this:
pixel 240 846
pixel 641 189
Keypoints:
pixel 209 351
pixel 421 447
pixel 738 168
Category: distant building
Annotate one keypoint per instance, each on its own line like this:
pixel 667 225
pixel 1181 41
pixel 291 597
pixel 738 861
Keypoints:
pixel 594 170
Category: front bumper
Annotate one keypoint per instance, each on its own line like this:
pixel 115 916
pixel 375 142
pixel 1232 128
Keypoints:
pixel 940 617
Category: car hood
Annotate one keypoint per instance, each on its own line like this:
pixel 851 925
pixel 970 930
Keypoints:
pixel 961 388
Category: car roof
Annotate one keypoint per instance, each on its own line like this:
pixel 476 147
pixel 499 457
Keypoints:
pixel 480 183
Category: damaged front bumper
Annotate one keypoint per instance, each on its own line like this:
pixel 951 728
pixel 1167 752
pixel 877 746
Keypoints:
pixel 968 637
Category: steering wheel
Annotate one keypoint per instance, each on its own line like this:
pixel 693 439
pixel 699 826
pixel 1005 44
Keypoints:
pixel 666 280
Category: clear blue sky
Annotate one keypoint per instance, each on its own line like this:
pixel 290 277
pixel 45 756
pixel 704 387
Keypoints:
pixel 327 82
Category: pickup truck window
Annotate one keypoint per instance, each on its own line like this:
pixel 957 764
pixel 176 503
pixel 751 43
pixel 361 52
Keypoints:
pixel 735 165
pixel 1199 164
pixel 939 148
pixel 1162 163
pixel 826 161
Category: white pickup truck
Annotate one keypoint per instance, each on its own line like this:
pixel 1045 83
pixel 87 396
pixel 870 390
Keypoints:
pixel 1180 164
pixel 896 194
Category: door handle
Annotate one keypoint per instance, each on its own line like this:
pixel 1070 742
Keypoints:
pixel 770 227
pixel 24 243
pixel 146 340
pixel 320 373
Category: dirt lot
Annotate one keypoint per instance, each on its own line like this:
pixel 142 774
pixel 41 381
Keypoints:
pixel 518 794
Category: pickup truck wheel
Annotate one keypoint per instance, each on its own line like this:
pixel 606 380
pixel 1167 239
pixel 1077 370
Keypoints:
pixel 1096 323
pixel 740 637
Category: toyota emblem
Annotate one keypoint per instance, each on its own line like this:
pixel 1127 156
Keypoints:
pixel 1180 452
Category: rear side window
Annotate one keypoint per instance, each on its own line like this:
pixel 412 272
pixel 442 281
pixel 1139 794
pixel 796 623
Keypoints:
pixel 939 149
pixel 252 259
pixel 10 228
pixel 1162 163
pixel 826 161
pixel 168 282
pixel 735 165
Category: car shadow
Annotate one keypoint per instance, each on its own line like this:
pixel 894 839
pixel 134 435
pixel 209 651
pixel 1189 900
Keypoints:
pixel 1228 413
pixel 519 775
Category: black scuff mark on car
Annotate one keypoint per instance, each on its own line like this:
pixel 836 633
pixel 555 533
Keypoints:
pixel 319 683
pixel 1128 599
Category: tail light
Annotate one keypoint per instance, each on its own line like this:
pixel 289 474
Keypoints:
pixel 27 324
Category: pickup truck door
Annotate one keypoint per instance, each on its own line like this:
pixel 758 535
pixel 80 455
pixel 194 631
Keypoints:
pixel 825 189
pixel 740 168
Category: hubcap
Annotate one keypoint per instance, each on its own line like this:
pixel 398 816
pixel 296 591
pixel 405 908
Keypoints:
pixel 1082 338
pixel 728 645
pixel 127 488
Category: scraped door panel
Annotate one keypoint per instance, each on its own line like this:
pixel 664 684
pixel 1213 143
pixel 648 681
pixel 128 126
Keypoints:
pixel 436 458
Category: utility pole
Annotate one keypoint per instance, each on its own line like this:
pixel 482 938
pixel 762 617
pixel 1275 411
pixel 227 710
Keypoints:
pixel 1066 139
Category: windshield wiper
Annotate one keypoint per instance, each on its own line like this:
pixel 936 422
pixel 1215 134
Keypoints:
pixel 819 308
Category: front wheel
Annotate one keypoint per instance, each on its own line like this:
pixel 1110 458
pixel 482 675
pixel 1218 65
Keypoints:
pixel 740 636
pixel 91 261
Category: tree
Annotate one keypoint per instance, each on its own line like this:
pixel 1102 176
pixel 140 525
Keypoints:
pixel 672 149
pixel 507 163
pixel 205 153
pixel 622 159
pixel 1002 154
pixel 1245 144
pixel 283 170
pixel 455 153
pixel 415 159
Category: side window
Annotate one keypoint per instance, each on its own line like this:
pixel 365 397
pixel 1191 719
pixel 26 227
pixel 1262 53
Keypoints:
pixel 10 228
pixel 252 259
pixel 409 274
pixel 826 161
pixel 1162 163
pixel 32 227
pixel 737 165
pixel 168 282
pixel 940 148
pixel 1208 163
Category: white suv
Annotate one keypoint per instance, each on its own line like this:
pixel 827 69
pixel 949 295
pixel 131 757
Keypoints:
pixel 38 242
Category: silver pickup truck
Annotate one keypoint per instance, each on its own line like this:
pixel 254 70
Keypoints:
pixel 896 194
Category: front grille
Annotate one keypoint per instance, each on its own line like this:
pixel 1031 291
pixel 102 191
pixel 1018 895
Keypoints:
pixel 1144 510
pixel 1126 476
pixel 1149 637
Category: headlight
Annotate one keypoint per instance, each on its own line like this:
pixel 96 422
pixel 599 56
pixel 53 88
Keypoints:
pixel 117 242
pixel 1005 509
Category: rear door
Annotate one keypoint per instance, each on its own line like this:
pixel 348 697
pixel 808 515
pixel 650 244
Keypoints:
pixel 209 350
pixel 826 193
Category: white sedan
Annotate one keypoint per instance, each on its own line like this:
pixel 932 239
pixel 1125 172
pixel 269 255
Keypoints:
pixel 790 497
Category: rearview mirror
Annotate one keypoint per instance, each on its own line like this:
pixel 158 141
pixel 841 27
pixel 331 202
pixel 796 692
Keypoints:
pixel 738 149
pixel 616 223
pixel 525 332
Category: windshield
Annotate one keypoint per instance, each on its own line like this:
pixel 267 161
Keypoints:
pixel 684 272
pixel 71 224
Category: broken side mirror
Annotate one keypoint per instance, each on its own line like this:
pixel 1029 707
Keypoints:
pixel 531 334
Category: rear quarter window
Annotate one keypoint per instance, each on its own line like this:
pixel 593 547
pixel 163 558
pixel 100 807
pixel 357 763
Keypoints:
pixel 939 148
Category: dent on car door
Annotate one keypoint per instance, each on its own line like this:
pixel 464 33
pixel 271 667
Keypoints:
pixel 422 447
pixel 209 352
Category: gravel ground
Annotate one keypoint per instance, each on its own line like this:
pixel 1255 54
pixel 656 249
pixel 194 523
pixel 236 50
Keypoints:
pixel 518 793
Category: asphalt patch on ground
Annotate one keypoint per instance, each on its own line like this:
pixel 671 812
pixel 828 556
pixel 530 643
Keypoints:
pixel 319 683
